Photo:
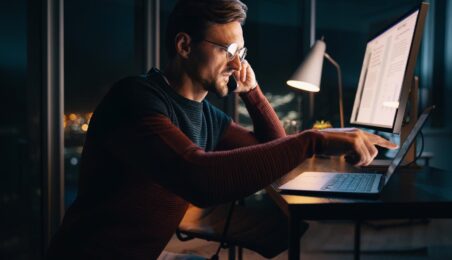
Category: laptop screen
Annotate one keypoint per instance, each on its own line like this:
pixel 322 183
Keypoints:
pixel 406 145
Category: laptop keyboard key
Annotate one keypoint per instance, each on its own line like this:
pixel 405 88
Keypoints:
pixel 350 182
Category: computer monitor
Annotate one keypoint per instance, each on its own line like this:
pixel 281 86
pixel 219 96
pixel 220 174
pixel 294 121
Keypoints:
pixel 387 73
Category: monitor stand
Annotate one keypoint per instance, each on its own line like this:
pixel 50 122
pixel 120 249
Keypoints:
pixel 412 116
pixel 412 112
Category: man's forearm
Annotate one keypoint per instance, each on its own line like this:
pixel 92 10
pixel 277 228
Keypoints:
pixel 162 152
pixel 267 125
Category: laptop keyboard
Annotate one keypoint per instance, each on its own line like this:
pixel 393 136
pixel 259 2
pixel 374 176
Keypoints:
pixel 350 182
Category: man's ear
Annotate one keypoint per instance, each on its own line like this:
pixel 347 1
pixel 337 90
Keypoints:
pixel 182 42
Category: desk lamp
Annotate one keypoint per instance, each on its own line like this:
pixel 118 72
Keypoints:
pixel 307 76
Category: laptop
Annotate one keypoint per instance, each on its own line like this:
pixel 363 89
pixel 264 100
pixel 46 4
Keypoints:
pixel 352 184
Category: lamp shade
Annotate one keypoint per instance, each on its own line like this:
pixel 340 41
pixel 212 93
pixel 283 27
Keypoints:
pixel 307 76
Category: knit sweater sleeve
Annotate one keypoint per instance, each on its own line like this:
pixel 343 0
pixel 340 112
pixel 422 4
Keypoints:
pixel 266 123
pixel 158 149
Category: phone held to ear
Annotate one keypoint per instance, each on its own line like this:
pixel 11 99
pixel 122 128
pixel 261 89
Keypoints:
pixel 232 84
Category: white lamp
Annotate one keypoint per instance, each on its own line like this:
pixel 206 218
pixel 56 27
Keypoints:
pixel 308 75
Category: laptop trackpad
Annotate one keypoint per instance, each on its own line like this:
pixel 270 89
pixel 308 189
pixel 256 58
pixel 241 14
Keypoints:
pixel 309 181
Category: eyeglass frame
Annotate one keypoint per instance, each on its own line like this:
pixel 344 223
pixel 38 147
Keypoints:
pixel 229 55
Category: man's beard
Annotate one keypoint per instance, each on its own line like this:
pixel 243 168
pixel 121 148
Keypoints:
pixel 219 89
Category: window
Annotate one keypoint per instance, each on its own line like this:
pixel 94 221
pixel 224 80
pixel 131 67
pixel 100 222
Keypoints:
pixel 103 47
pixel 20 134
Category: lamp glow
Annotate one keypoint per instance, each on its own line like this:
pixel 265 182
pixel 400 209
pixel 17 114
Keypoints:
pixel 303 85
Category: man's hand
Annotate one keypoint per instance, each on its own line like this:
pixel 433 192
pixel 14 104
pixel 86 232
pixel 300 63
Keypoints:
pixel 358 146
pixel 245 77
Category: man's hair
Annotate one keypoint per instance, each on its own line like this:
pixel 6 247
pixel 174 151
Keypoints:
pixel 194 16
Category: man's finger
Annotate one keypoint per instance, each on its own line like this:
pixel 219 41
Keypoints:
pixel 373 151
pixel 365 154
pixel 243 71
pixel 236 75
pixel 386 144
pixel 380 141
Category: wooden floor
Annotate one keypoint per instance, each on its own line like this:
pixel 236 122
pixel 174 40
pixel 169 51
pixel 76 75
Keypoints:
pixel 334 240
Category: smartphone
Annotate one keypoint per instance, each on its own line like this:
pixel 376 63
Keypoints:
pixel 232 84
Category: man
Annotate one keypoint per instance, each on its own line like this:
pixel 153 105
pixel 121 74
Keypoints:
pixel 155 144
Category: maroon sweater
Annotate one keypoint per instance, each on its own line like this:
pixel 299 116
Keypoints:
pixel 137 181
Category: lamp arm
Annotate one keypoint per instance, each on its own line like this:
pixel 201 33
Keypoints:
pixel 339 79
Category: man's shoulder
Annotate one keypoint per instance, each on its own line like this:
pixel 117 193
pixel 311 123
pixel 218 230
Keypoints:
pixel 138 86
pixel 137 95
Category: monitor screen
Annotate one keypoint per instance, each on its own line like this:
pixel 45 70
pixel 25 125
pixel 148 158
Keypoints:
pixel 387 73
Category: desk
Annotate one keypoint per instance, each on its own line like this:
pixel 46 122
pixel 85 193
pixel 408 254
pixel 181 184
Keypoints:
pixel 410 193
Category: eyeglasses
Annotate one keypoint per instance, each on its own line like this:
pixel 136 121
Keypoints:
pixel 232 50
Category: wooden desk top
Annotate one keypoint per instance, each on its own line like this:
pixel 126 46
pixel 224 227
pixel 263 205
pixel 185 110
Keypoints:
pixel 421 192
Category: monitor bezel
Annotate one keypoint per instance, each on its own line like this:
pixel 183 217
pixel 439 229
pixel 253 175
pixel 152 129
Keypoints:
pixel 409 71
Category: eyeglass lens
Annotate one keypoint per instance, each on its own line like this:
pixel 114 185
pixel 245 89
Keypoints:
pixel 233 50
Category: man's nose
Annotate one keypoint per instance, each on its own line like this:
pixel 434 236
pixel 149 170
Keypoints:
pixel 235 63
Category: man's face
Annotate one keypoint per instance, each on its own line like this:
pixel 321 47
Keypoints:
pixel 208 62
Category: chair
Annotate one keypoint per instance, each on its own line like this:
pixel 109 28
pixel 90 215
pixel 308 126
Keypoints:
pixel 185 235
pixel 261 230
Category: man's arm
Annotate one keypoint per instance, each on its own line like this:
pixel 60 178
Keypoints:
pixel 357 146
pixel 266 124
pixel 159 150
